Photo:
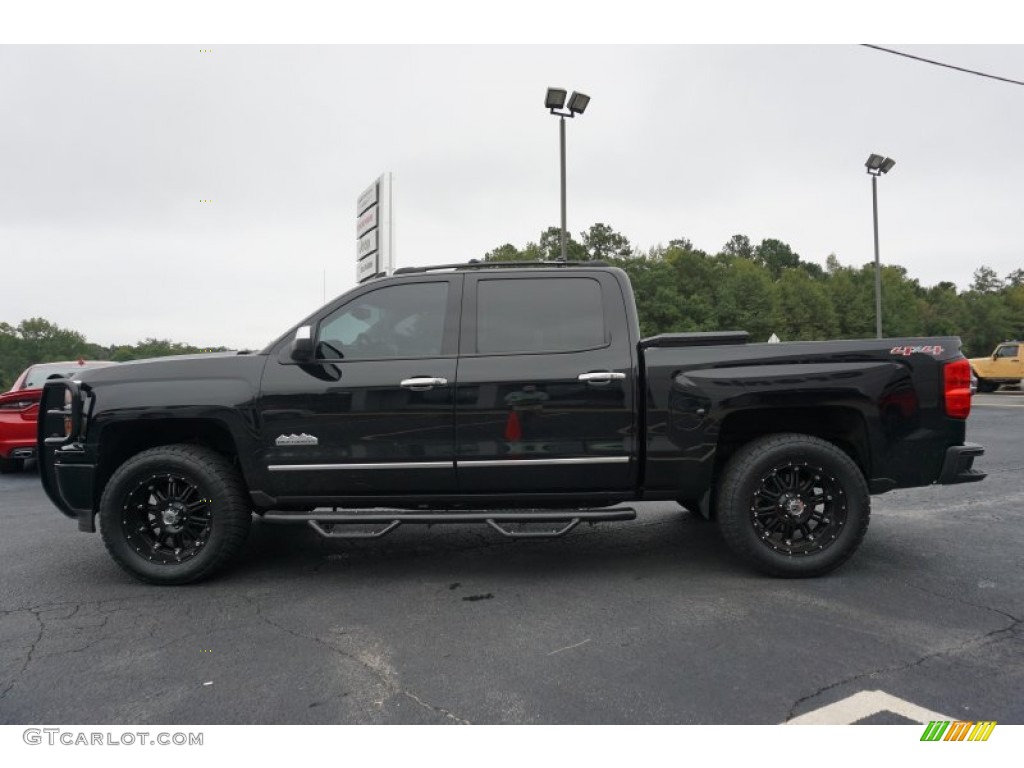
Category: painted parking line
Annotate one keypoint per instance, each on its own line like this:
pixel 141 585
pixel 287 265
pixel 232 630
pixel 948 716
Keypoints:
pixel 865 704
pixel 996 405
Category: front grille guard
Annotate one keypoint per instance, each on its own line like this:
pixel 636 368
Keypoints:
pixel 51 435
pixel 53 412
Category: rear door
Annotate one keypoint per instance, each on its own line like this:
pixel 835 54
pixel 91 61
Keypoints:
pixel 545 395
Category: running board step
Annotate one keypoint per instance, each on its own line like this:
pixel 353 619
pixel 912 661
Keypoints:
pixel 325 523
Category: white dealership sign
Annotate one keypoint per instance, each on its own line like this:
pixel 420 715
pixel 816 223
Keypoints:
pixel 375 250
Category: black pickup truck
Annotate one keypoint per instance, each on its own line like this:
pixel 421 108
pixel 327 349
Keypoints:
pixel 518 396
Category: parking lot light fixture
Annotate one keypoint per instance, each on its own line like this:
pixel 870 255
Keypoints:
pixel 554 101
pixel 578 102
pixel 555 98
pixel 877 165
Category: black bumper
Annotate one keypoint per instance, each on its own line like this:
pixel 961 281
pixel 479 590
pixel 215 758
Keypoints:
pixel 959 465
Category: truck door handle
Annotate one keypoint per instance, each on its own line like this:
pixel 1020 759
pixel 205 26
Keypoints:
pixel 600 377
pixel 420 383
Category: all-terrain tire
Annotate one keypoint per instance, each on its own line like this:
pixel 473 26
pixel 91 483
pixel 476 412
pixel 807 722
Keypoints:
pixel 987 386
pixel 793 505
pixel 175 514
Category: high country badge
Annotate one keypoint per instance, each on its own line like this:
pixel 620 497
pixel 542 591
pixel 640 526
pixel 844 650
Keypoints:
pixel 302 439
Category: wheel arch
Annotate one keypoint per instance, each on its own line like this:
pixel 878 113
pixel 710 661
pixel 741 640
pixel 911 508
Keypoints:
pixel 122 440
pixel 842 426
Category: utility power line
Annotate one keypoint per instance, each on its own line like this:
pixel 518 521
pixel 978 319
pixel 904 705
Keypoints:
pixel 941 64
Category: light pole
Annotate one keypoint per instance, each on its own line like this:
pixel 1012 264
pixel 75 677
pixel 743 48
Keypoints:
pixel 877 165
pixel 555 103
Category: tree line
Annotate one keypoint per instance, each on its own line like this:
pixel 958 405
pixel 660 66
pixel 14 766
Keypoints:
pixel 767 288
pixel 764 289
pixel 37 340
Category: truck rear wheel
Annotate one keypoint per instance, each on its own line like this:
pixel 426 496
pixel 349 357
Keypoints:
pixel 987 386
pixel 793 505
pixel 174 514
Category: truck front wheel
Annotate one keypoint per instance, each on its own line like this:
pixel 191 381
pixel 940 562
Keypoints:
pixel 793 505
pixel 174 514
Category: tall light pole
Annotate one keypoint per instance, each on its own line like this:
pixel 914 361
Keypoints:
pixel 555 103
pixel 877 165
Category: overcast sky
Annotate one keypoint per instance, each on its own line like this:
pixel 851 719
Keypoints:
pixel 107 151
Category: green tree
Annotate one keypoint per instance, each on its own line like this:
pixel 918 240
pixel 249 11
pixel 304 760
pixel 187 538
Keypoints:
pixel 739 246
pixel 551 246
pixel 602 243
pixel 802 309
pixel 506 252
pixel 986 281
pixel 901 303
pixel 775 256
pixel 1013 299
pixel 157 348
pixel 696 276
pixel 744 299
pixel 987 322
pixel 659 304
pixel 768 288
pixel 942 311
pixel 852 294
pixel 37 340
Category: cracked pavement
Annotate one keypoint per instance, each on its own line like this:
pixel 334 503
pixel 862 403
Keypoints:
pixel 651 621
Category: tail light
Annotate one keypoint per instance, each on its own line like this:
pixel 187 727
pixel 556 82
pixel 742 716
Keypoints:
pixel 17 405
pixel 957 388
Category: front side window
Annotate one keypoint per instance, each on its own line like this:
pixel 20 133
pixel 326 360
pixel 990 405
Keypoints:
pixel 396 321
pixel 1008 351
pixel 539 315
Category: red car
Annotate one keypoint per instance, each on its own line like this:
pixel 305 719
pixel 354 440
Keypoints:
pixel 19 409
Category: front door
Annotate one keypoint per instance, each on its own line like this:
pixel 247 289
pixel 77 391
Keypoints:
pixel 1006 363
pixel 373 414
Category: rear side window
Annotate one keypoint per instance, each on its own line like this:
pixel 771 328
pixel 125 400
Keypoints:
pixel 539 315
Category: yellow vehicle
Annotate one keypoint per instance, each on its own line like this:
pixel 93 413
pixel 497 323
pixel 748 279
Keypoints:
pixel 1003 366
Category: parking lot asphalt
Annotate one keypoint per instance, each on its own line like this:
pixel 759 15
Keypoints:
pixel 651 621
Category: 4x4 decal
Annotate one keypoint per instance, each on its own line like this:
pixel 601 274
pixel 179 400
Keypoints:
pixel 924 350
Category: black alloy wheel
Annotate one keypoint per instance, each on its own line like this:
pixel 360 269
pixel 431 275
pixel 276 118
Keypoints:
pixel 175 514
pixel 793 505
pixel 166 518
pixel 798 509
